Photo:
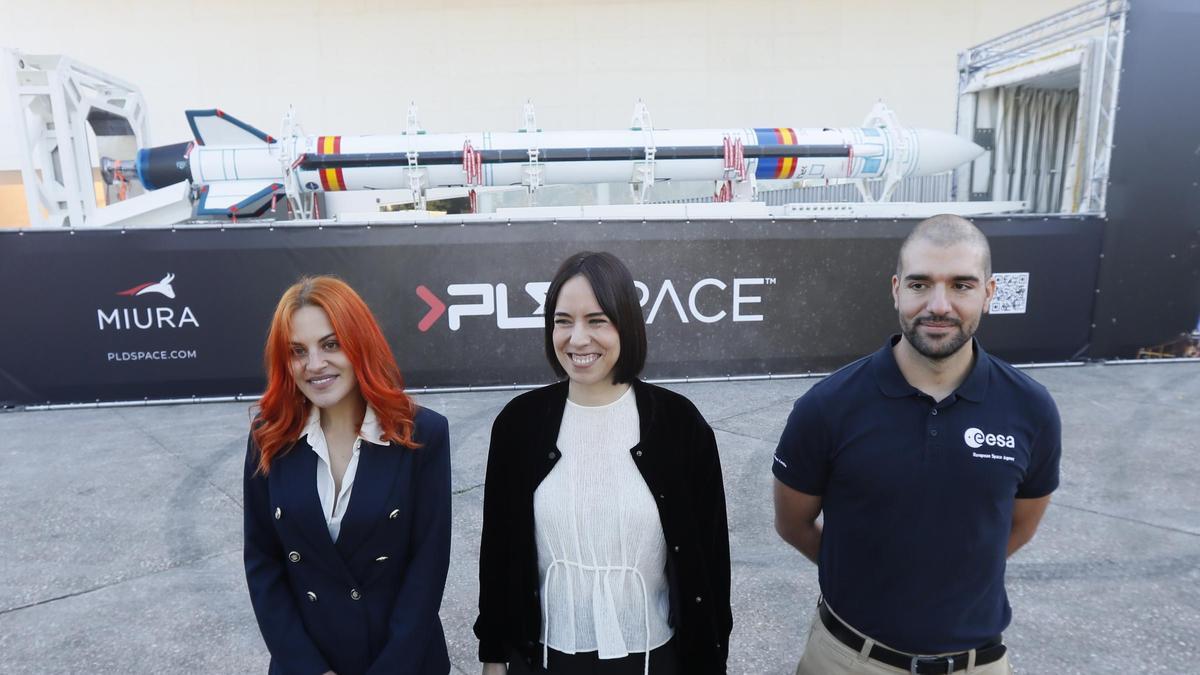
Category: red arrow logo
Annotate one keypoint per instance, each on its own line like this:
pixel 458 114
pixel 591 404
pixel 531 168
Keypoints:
pixel 436 308
pixel 135 289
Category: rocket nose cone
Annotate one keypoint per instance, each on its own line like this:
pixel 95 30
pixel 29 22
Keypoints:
pixel 941 151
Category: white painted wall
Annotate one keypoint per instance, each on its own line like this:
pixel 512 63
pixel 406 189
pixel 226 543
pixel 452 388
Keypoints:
pixel 352 66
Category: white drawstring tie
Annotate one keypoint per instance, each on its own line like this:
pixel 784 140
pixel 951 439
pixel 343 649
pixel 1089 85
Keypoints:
pixel 597 569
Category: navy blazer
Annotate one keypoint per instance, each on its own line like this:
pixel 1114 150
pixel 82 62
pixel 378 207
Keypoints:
pixel 369 602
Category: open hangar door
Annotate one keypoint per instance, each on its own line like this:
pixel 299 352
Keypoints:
pixel 1086 112
pixel 1041 101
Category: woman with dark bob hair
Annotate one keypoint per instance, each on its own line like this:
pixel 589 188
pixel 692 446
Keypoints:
pixel 347 497
pixel 605 548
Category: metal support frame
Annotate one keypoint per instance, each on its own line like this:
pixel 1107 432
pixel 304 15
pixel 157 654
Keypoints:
pixel 418 179
pixel 881 117
pixel 1101 20
pixel 472 166
pixel 1027 40
pixel 52 100
pixel 418 176
pixel 533 174
pixel 290 159
pixel 643 171
pixel 412 125
pixel 1108 80
pixel 737 184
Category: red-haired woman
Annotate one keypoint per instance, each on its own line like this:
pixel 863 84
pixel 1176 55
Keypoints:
pixel 347 497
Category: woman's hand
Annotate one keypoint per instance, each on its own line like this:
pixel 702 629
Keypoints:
pixel 495 669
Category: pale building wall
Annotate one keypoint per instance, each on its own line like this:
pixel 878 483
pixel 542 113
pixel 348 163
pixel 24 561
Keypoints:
pixel 352 67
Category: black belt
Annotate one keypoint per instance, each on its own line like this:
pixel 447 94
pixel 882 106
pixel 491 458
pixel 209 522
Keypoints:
pixel 913 664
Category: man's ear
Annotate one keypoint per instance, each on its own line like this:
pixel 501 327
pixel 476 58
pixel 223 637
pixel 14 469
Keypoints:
pixel 990 290
pixel 896 292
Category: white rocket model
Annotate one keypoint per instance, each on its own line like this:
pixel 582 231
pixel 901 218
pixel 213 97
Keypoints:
pixel 237 170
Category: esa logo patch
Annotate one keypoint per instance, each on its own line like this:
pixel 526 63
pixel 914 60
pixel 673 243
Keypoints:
pixel 975 438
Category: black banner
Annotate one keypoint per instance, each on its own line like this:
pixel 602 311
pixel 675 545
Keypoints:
pixel 166 313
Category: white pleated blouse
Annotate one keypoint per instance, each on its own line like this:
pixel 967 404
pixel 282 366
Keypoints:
pixel 601 550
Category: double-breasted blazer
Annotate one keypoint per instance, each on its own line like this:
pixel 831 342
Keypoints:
pixel 369 602
pixel 676 456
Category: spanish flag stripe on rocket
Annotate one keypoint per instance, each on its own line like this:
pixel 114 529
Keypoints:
pixel 331 179
pixel 337 150
pixel 788 164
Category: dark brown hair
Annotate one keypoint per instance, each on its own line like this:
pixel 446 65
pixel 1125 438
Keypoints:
pixel 613 287
pixel 946 229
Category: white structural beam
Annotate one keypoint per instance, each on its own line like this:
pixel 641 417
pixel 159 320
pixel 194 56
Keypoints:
pixel 55 102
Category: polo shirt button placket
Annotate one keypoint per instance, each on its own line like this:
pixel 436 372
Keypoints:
pixel 932 444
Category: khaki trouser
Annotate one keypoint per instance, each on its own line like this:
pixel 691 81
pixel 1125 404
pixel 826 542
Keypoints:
pixel 826 655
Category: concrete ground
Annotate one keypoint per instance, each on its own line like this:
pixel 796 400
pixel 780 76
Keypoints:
pixel 121 533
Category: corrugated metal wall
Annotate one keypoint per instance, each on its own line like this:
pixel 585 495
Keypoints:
pixel 934 188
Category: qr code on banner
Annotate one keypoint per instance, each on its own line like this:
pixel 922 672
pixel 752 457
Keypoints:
pixel 1012 290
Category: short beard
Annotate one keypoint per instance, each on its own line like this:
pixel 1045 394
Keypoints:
pixel 935 351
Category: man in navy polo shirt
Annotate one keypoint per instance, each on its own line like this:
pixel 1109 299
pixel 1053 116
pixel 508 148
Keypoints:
pixel 932 463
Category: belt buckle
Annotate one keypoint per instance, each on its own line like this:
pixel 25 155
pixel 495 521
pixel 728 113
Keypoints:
pixel 918 660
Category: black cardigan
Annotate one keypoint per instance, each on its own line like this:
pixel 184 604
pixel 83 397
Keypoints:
pixel 677 457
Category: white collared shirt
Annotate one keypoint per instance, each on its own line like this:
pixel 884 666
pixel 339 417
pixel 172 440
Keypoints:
pixel 334 506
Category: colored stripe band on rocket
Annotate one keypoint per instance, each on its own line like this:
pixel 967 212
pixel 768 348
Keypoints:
pixel 787 165
pixel 775 167
pixel 332 180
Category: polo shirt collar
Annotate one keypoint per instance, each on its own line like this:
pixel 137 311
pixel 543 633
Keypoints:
pixel 974 388
pixel 892 383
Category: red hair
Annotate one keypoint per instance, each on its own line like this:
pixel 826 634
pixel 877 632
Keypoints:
pixel 283 409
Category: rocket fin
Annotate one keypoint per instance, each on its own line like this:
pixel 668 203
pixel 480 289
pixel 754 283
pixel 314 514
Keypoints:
pixel 216 127
pixel 237 198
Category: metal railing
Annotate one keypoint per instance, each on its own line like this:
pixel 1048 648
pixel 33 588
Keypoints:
pixel 1029 39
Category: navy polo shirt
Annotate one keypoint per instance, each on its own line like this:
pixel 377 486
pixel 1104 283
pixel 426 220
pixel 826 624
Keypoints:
pixel 918 496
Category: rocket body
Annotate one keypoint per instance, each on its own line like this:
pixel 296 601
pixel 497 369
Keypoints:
pixel 838 161
pixel 237 168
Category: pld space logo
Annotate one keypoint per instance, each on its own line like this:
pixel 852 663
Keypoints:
pixel 143 316
pixel 708 301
